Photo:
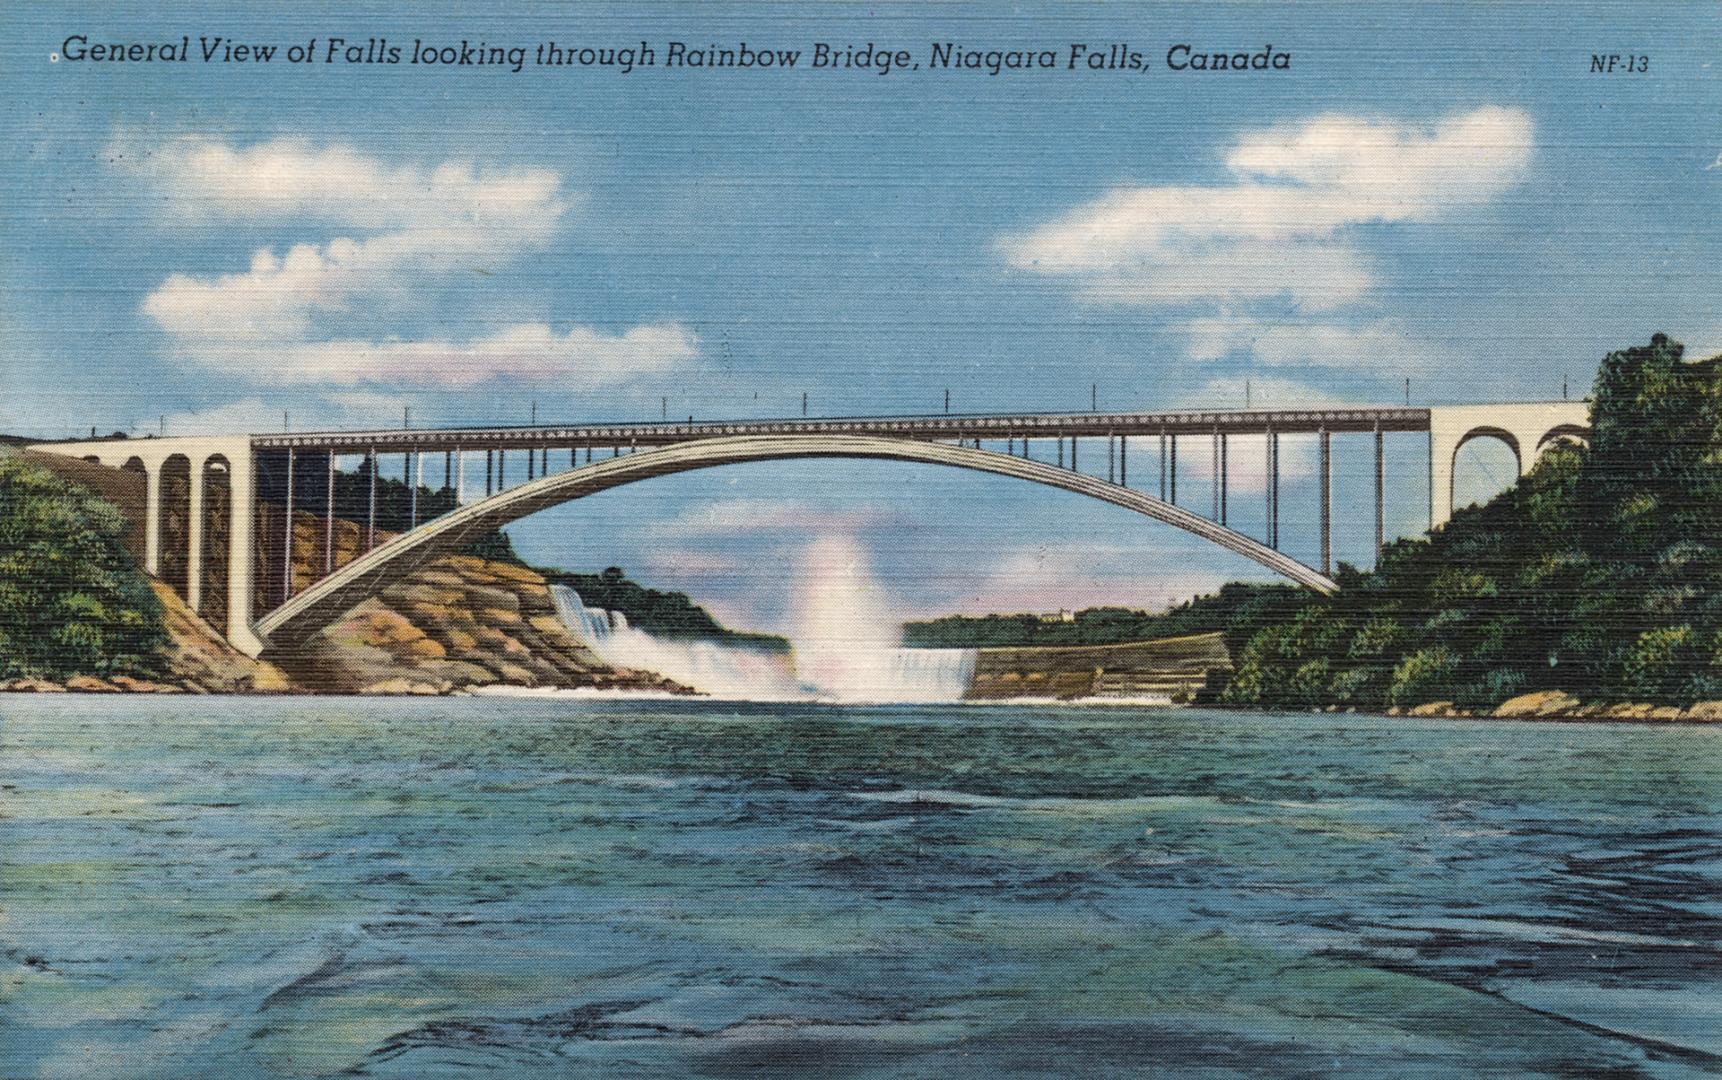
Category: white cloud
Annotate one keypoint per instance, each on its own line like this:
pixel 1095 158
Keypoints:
pixel 303 314
pixel 293 179
pixel 1283 228
pixel 581 358
pixel 253 414
pixel 1381 344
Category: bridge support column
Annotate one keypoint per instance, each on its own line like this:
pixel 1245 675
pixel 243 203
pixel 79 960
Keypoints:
pixel 329 519
pixel 152 519
pixel 1326 502
pixel 1223 463
pixel 489 461
pixel 460 477
pixel 1123 461
pixel 1111 460
pixel 1380 515
pixel 1214 477
pixel 1172 472
pixel 371 502
pixel 415 478
pixel 242 523
pixel 1162 468
pixel 1061 451
pixel 1274 490
pixel 194 541
pixel 287 536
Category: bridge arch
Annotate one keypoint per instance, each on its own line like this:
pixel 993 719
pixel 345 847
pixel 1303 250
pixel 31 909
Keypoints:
pixel 215 506
pixel 173 547
pixel 309 611
pixel 1564 433
pixel 1481 432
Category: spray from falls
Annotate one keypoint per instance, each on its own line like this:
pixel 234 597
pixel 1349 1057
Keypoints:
pixel 847 646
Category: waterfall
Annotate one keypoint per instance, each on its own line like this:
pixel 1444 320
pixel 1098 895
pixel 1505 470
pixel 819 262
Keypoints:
pixel 855 669
pixel 708 666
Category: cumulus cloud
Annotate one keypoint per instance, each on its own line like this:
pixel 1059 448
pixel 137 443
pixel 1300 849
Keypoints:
pixel 347 409
pixel 581 358
pixel 1381 344
pixel 301 314
pixel 293 179
pixel 1283 227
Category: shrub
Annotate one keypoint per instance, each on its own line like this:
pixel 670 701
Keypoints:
pixel 72 599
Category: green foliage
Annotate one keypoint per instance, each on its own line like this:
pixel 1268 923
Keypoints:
pixel 1599 573
pixel 1105 626
pixel 72 600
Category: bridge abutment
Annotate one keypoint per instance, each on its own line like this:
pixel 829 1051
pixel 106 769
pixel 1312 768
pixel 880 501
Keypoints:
pixel 1528 429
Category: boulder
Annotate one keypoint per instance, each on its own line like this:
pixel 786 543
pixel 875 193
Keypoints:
pixel 35 686
pixel 143 686
pixel 1542 703
pixel 547 624
pixel 1704 711
pixel 516 675
pixel 510 572
pixel 1434 708
pixel 89 684
pixel 1627 711
pixel 403 685
pixel 423 648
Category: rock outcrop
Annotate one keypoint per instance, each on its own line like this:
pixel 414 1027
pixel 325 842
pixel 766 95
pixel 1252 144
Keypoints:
pixel 201 660
pixel 459 622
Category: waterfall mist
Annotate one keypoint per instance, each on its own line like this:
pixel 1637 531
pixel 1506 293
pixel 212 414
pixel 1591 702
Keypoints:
pixel 847 644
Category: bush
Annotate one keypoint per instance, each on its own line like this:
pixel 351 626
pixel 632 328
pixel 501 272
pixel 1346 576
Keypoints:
pixel 72 599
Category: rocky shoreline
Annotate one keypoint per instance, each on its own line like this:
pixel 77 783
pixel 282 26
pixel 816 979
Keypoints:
pixel 456 625
pixel 1558 705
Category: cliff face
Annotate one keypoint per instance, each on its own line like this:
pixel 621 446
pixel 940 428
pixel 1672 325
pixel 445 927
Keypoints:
pixel 457 623
pixel 1171 668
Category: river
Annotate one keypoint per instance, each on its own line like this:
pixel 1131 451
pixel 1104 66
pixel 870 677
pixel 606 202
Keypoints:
pixel 510 887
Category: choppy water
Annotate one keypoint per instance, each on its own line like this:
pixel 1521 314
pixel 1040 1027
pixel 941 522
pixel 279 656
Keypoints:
pixel 488 887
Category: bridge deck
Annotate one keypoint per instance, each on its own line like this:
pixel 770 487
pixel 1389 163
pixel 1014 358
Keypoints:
pixel 937 428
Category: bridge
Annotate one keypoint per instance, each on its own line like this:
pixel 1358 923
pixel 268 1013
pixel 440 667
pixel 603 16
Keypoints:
pixel 229 519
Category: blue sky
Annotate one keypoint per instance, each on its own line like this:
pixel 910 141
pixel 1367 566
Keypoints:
pixel 1443 194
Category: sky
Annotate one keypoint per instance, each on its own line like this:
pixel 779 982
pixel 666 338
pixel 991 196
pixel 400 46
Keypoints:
pixel 1446 195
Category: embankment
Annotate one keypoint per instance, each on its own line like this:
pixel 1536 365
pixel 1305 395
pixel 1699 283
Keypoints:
pixel 1173 669
pixel 455 623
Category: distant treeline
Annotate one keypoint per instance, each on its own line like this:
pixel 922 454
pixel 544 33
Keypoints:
pixel 1599 574
pixel 1107 625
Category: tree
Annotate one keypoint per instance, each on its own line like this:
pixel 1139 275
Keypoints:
pixel 72 599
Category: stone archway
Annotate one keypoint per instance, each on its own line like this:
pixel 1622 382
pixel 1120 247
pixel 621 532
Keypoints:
pixel 173 546
pixel 217 531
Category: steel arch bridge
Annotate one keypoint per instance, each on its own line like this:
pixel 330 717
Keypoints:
pixel 221 516
pixel 350 584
